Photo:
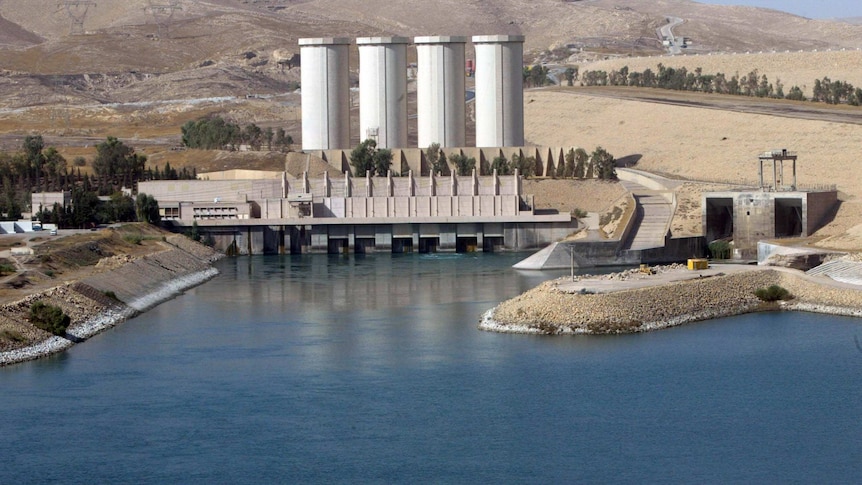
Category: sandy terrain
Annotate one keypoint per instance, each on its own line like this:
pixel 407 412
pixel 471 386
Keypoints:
pixel 568 195
pixel 707 145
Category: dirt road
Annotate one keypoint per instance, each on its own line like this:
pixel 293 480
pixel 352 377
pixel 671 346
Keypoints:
pixel 742 104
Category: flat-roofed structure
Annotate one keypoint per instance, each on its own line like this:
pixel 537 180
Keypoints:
pixel 399 214
pixel 779 208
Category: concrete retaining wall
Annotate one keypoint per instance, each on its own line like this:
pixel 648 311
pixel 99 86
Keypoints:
pixel 588 254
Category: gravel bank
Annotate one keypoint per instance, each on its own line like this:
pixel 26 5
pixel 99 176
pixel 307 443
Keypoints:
pixel 140 283
pixel 548 310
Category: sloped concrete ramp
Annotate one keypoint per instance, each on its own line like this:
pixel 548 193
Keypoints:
pixel 552 257
pixel 844 271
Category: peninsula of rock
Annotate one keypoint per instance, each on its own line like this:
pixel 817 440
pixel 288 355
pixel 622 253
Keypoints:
pixel 631 302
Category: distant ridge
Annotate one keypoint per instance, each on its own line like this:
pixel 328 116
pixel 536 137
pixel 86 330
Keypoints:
pixel 12 34
pixel 232 47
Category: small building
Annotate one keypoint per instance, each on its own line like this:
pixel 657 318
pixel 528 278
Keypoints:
pixel 45 200
pixel 777 209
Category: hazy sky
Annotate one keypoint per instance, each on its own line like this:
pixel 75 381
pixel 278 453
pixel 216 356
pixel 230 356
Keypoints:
pixel 815 9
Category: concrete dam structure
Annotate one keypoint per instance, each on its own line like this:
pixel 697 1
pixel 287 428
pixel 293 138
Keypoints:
pixel 779 208
pixel 410 209
pixel 398 214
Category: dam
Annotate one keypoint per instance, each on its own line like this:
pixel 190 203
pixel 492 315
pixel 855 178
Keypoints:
pixel 431 213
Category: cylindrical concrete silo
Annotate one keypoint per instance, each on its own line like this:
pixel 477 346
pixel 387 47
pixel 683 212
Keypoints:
pixel 325 93
pixel 440 91
pixel 499 90
pixel 383 90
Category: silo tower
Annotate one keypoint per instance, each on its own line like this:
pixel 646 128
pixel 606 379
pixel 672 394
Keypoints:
pixel 383 90
pixel 499 90
pixel 325 93
pixel 441 91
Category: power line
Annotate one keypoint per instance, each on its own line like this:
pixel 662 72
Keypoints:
pixel 77 11
pixel 163 14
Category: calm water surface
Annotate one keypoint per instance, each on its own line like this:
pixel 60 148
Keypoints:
pixel 336 369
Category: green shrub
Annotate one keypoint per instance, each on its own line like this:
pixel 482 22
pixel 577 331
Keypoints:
pixel 195 233
pixel 11 336
pixel 49 318
pixel 773 293
pixel 719 250
pixel 133 238
pixel 6 268
pixel 110 294
pixel 49 273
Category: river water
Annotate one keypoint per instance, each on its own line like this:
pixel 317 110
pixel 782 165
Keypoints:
pixel 371 369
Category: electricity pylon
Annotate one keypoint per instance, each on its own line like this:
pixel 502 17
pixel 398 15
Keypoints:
pixel 163 13
pixel 77 10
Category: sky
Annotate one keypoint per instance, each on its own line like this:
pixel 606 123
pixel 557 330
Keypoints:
pixel 815 9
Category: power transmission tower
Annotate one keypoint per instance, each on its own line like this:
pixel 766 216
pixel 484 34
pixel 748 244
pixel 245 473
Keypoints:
pixel 77 10
pixel 163 13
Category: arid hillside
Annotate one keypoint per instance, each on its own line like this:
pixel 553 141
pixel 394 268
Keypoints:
pixel 144 50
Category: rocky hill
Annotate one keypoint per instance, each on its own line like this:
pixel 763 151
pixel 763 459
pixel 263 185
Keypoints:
pixel 133 50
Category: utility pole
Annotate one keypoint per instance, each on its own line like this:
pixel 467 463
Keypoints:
pixel 77 11
pixel 163 13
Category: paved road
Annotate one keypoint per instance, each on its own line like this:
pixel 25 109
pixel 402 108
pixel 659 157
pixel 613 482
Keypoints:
pixel 743 104
pixel 666 32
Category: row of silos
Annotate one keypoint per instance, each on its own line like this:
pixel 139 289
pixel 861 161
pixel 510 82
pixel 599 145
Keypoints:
pixel 441 91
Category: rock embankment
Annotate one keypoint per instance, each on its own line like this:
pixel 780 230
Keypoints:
pixel 138 284
pixel 548 310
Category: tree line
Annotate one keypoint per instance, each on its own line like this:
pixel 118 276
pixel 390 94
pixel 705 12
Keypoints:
pixel 577 163
pixel 216 133
pixel 40 168
pixel 752 84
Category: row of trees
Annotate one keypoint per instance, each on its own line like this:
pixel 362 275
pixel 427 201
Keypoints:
pixel 578 164
pixel 87 210
pixel 38 168
pixel 536 76
pixel 752 84
pixel 215 133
